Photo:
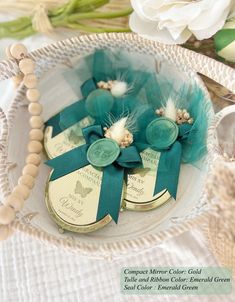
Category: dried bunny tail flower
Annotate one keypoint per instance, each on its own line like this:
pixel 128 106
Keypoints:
pixel 130 87
pixel 119 89
pixel 117 130
pixel 119 133
pixel 221 194
pixel 121 130
pixel 170 109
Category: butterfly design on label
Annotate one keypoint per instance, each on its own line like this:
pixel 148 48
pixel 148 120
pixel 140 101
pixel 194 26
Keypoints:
pixel 82 191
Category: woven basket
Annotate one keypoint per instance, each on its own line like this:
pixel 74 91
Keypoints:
pixel 219 229
pixel 38 224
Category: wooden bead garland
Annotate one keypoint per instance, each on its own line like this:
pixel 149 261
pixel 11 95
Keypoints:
pixel 14 202
pixel 36 134
pixel 33 95
pixel 34 159
pixel 36 122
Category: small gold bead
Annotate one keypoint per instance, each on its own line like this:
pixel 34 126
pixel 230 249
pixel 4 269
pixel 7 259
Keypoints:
pixel 190 121
pixel 186 115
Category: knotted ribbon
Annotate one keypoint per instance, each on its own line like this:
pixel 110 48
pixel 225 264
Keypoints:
pixel 73 113
pixel 168 168
pixel 113 175
pixel 169 164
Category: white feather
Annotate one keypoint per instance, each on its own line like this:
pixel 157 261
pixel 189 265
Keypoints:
pixel 119 89
pixel 117 130
pixel 170 110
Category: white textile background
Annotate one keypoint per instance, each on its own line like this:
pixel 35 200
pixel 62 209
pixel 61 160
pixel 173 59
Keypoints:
pixel 33 272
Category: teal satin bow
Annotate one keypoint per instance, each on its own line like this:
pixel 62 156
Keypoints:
pixel 170 159
pixel 78 111
pixel 73 113
pixel 169 164
pixel 113 175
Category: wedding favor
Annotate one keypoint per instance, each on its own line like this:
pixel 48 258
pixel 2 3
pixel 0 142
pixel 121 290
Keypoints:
pixel 55 66
pixel 122 144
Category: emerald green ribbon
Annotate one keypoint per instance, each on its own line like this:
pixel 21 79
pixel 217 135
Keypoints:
pixel 113 175
pixel 168 168
pixel 73 113
pixel 169 164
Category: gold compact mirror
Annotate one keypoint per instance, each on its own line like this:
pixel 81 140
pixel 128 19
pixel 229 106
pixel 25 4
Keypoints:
pixel 72 200
pixel 141 182
pixel 66 140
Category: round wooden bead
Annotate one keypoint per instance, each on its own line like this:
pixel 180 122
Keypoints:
pixel 36 134
pixel 36 122
pixel 8 52
pixel 34 159
pixel 34 147
pixel 26 180
pixel 33 95
pixel 21 190
pixel 7 214
pixel 27 65
pixel 18 79
pixel 15 202
pixel 31 170
pixel 18 51
pixel 30 80
pixel 35 108
pixel 5 232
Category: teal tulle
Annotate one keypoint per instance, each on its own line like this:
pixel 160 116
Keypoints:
pixel 147 91
pixel 189 97
pixel 105 65
pixel 194 146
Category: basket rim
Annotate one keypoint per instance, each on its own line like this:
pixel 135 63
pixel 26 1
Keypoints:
pixel 217 71
pixel 107 250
